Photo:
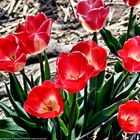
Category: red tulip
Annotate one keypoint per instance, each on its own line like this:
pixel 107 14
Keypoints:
pixel 44 101
pixel 130 54
pixel 129 116
pixel 95 55
pixel 73 71
pixel 92 14
pixel 12 58
pixel 35 33
pixel 132 3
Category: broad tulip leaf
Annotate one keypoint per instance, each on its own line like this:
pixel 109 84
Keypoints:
pixel 7 110
pixel 129 87
pixel 110 134
pixel 54 133
pixel 123 38
pixel 91 101
pixel 8 126
pixel 5 134
pixel 103 115
pixel 104 95
pixel 118 67
pixel 32 128
pixel 75 115
pixel 113 44
pixel 118 87
pixel 137 29
pixel 16 89
pixel 63 126
pixel 18 108
pixel 96 82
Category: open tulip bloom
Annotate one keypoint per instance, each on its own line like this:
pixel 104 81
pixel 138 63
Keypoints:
pixel 12 56
pixel 35 33
pixel 44 101
pixel 132 3
pixel 83 98
pixel 129 116
pixel 92 14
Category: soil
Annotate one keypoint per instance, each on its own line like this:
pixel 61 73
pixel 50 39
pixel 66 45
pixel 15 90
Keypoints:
pixel 66 30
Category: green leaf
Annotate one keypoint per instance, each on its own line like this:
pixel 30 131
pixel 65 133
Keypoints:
pixel 119 85
pixel 129 87
pixel 34 130
pixel 96 82
pixel 54 133
pixel 123 38
pixel 118 67
pixel 103 115
pixel 113 44
pixel 7 110
pixel 18 108
pixel 132 25
pixel 91 100
pixel 75 115
pixel 10 127
pixel 63 126
pixel 137 29
pixel 105 93
pixel 110 134
pixel 4 134
pixel 16 89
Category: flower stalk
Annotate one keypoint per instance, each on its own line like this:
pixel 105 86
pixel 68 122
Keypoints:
pixel 71 117
pixel 130 22
pixel 41 67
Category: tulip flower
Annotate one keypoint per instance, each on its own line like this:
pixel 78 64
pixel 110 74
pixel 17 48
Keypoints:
pixel 92 14
pixel 129 116
pixel 95 55
pixel 12 58
pixel 35 33
pixel 132 3
pixel 130 54
pixel 44 101
pixel 73 71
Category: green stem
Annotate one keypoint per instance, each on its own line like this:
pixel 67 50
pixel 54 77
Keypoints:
pixel 57 127
pixel 95 37
pixel 85 106
pixel 47 74
pixel 41 67
pixel 27 79
pixel 130 22
pixel 24 83
pixel 71 116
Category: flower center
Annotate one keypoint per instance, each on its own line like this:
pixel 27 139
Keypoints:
pixel 50 105
pixel 12 58
pixel 135 56
pixel 73 77
pixel 130 119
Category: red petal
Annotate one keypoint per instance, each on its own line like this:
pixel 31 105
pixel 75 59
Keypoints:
pixel 20 28
pixel 34 22
pixel 46 27
pixel 83 7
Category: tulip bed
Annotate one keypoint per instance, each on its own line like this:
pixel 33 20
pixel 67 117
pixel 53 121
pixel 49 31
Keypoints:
pixel 81 101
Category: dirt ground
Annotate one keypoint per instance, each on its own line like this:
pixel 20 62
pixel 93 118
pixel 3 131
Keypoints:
pixel 66 30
